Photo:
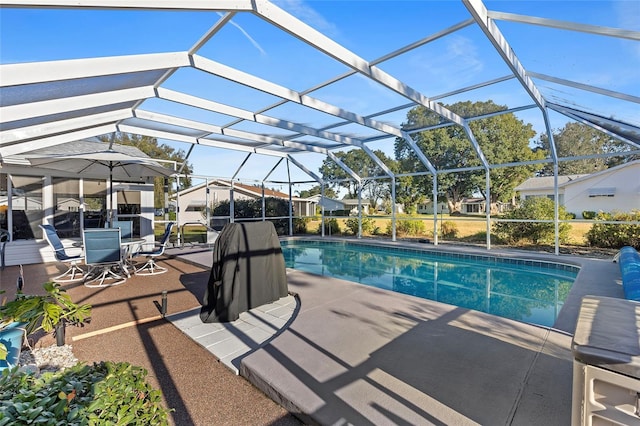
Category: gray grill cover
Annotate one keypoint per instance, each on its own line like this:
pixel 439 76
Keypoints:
pixel 248 271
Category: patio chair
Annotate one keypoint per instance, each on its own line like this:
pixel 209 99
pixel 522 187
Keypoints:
pixel 151 267
pixel 103 255
pixel 75 272
pixel 126 228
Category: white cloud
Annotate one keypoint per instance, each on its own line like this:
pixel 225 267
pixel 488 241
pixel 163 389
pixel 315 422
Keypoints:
pixel 246 34
pixel 301 10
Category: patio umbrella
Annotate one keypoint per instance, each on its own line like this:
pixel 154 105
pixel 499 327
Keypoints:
pixel 118 165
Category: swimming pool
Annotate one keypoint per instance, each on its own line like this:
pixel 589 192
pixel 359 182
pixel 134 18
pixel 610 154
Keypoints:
pixel 524 290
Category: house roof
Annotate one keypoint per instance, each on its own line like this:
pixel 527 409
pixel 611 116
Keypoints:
pixel 248 189
pixel 545 182
pixel 270 108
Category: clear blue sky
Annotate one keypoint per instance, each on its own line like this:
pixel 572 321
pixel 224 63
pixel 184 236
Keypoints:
pixel 370 29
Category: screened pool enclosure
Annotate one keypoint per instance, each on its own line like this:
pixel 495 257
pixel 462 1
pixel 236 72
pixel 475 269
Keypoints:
pixel 264 92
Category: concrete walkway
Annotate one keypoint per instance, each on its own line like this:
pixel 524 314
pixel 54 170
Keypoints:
pixel 353 354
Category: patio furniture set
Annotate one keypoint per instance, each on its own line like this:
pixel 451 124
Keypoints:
pixel 108 254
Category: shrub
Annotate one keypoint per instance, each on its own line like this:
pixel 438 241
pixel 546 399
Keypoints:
pixel 352 225
pixel 588 214
pixel 300 225
pixel 378 231
pixel 449 229
pixel 409 227
pixel 612 235
pixel 105 393
pixel 537 209
pixel 331 227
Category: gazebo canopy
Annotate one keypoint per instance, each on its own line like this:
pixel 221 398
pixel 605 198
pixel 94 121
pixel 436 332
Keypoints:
pixel 306 87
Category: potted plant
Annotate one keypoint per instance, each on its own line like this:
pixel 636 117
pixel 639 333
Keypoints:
pixel 48 312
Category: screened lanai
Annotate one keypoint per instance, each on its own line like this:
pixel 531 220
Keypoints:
pixel 264 92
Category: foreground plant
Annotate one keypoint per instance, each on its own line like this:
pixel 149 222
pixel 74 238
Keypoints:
pixel 105 393
pixel 44 312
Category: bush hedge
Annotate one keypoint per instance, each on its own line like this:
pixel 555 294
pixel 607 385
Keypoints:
pixel 533 208
pixel 367 225
pixel 613 235
pixel 408 227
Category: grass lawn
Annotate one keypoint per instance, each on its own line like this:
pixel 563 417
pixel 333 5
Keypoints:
pixel 470 229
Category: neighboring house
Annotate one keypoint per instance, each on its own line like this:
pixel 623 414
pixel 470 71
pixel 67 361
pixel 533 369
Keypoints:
pixel 329 204
pixel 427 207
pixel 192 202
pixel 477 206
pixel 470 206
pixel 614 189
pixel 351 204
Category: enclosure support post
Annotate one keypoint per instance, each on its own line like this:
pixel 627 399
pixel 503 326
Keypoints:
pixel 435 209
pixel 393 208
pixel 264 204
pixel 322 209
pixel 290 201
pixel 487 207
pixel 231 204
pixel 359 209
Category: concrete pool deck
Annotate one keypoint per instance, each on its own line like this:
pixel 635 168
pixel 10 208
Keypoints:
pixel 353 354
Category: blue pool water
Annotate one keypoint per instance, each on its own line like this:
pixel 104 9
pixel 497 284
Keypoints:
pixel 523 290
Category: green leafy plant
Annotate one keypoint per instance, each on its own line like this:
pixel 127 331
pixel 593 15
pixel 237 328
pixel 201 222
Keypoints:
pixel 409 227
pixel 538 208
pixel 614 235
pixel 449 229
pixel 43 312
pixel 104 393
pixel 352 225
pixel 331 227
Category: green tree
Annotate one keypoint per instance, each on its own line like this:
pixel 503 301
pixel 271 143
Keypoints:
pixel 577 139
pixel 502 138
pixel 358 161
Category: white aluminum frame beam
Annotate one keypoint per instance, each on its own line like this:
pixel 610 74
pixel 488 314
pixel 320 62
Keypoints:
pixel 204 5
pixel 215 68
pixel 494 35
pixel 41 72
pixel 74 103
pixel 34 144
pixel 40 131
pixel 246 115
pixel 565 25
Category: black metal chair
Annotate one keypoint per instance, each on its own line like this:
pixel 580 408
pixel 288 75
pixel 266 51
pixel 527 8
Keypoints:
pixel 151 267
pixel 75 272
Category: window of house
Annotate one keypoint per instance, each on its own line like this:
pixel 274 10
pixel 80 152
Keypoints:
pixel 4 202
pixel 602 192
pixel 26 207
pixel 129 208
pixel 66 207
pixel 95 203
pixel 196 206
